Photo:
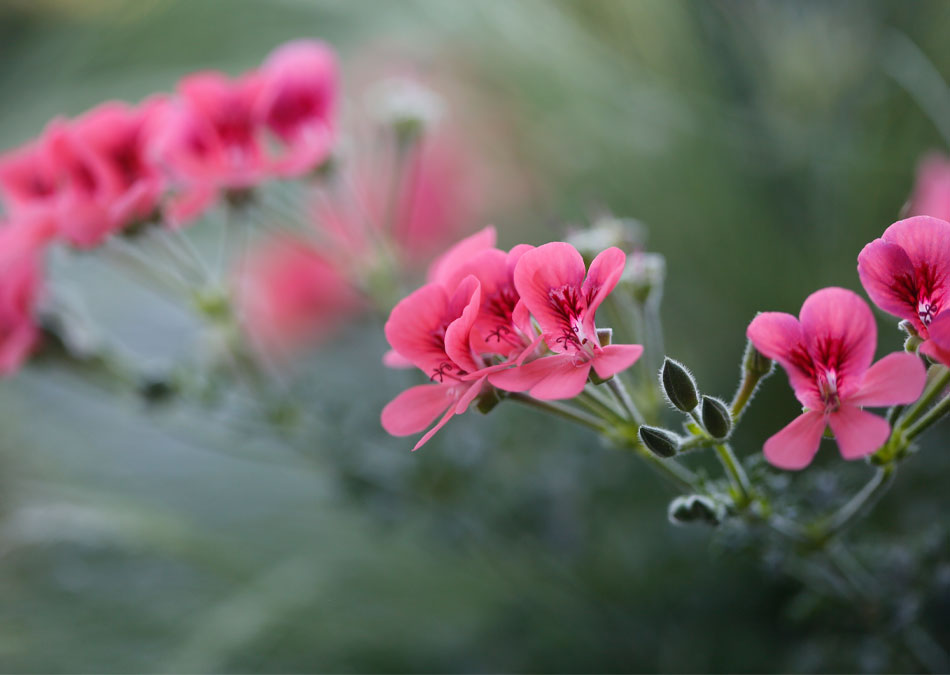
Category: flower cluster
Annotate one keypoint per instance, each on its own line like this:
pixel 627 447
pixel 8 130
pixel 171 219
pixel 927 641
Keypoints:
pixel 165 160
pixel 517 321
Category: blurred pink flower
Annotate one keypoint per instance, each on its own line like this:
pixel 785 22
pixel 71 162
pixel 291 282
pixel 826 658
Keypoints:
pixel 827 354
pixel 907 271
pixel 551 282
pixel 291 295
pixel 931 196
pixel 297 103
pixel 430 328
pixel 21 283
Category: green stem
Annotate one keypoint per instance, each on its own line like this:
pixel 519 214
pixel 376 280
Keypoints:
pixel 599 408
pixel 925 422
pixel 847 514
pixel 939 383
pixel 623 396
pixel 737 475
pixel 681 477
pixel 750 382
pixel 563 411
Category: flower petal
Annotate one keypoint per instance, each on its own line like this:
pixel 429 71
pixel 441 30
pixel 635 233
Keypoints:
pixel 416 408
pixel 458 333
pixel 549 378
pixel 413 325
pixel 444 265
pixel 612 359
pixel 840 334
pixel 795 446
pixel 932 188
pixel 604 273
pixel 779 336
pixel 549 267
pixel 858 432
pixel 887 275
pixel 897 378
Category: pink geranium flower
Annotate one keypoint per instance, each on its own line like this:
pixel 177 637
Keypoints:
pixel 21 283
pixel 291 295
pixel 931 195
pixel 211 142
pixel 430 328
pixel 552 285
pixel 907 271
pixel 297 103
pixel 827 353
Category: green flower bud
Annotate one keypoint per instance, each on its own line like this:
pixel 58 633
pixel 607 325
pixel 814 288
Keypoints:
pixel 659 441
pixel 908 328
pixel 695 508
pixel 678 385
pixel 912 343
pixel 716 417
pixel 756 363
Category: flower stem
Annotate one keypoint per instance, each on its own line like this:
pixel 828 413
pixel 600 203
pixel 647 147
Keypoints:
pixel 748 385
pixel 623 396
pixel 561 410
pixel 847 514
pixel 938 384
pixel 737 475
pixel 925 422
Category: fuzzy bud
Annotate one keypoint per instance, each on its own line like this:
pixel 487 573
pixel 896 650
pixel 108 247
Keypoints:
pixel 755 362
pixel 912 343
pixel 643 276
pixel 659 441
pixel 695 508
pixel 604 232
pixel 679 386
pixel 908 328
pixel 716 417
pixel 405 105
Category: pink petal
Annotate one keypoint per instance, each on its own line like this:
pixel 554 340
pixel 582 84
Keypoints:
pixel 612 359
pixel 932 189
pixel 934 351
pixel 416 408
pixel 897 378
pixel 413 324
pixel 840 334
pixel 449 414
pixel 779 336
pixel 548 378
pixel 926 241
pixel 940 330
pixel 457 335
pixel 858 432
pixel 795 446
pixel 549 267
pixel 604 273
pixel 470 394
pixel 393 359
pixel 887 275
pixel 443 266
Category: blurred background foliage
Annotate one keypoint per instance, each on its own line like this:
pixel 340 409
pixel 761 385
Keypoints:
pixel 763 143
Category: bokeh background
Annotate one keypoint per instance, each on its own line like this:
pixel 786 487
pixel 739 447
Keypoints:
pixel 762 143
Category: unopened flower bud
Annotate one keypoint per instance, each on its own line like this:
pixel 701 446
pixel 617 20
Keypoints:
pixel 643 276
pixel 695 508
pixel 659 441
pixel 407 106
pixel 755 362
pixel 716 417
pixel 912 343
pixel 678 385
pixel 604 232
pixel 909 328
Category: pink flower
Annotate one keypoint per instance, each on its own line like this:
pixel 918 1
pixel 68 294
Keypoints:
pixel 297 104
pixel 550 280
pixel 931 195
pixel 431 328
pixel 210 141
pixel 20 288
pixel 291 294
pixel 907 271
pixel 827 353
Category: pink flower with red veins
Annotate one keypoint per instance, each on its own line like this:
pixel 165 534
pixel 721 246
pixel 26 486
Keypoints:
pixel 21 283
pixel 907 271
pixel 550 280
pixel 291 294
pixel 431 328
pixel 120 135
pixel 827 353
pixel 297 104
pixel 211 141
pixel 60 182
pixel 931 195
pixel 503 326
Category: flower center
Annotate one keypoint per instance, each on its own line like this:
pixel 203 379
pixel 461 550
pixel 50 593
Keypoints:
pixel 828 388
pixel 926 310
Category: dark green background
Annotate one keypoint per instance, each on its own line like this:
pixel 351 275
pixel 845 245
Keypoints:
pixel 763 143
